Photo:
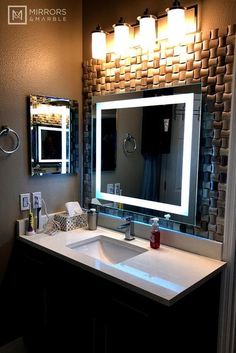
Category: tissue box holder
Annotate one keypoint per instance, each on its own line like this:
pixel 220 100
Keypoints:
pixel 71 222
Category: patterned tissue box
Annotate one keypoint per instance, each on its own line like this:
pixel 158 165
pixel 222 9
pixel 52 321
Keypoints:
pixel 71 222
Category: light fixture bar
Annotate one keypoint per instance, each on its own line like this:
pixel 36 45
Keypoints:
pixel 180 21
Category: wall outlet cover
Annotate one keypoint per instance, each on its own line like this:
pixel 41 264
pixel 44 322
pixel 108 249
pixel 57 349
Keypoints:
pixel 117 189
pixel 25 202
pixel 37 199
pixel 110 188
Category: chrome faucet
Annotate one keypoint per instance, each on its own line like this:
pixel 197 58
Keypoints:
pixel 127 227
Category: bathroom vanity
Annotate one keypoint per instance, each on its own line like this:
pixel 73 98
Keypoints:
pixel 75 297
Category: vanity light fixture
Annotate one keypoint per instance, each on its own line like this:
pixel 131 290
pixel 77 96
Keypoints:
pixel 147 31
pixel 176 23
pixel 99 43
pixel 121 37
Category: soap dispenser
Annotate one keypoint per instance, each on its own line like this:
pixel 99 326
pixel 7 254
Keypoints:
pixel 155 233
pixel 92 219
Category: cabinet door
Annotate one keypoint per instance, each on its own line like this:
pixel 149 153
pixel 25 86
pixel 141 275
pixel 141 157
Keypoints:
pixel 68 309
pixel 127 328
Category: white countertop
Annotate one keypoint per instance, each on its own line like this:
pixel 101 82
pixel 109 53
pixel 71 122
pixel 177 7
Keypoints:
pixel 164 275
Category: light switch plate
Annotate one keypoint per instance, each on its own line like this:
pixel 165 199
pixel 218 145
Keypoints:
pixel 25 202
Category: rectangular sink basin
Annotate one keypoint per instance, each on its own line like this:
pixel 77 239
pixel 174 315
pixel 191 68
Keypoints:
pixel 107 249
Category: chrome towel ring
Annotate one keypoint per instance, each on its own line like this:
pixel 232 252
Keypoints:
pixel 5 131
pixel 129 144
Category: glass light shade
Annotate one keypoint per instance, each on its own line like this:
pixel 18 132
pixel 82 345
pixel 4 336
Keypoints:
pixel 121 39
pixel 147 32
pixel 99 45
pixel 176 25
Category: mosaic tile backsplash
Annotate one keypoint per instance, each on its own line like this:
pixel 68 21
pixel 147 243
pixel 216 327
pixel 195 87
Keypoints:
pixel 207 58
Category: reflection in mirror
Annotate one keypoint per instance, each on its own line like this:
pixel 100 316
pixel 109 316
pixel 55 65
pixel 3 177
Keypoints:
pixel 155 165
pixel 53 135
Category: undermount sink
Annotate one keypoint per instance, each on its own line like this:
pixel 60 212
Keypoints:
pixel 106 249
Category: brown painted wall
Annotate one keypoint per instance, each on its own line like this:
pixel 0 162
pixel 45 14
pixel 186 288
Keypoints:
pixel 39 58
pixel 214 14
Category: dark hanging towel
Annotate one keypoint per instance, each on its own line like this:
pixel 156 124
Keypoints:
pixel 156 129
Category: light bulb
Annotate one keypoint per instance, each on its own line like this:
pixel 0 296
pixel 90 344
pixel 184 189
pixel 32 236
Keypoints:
pixel 147 31
pixel 121 38
pixel 176 23
pixel 99 44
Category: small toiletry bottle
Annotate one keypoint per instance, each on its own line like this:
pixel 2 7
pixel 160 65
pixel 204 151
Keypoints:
pixel 92 219
pixel 155 234
pixel 168 223
pixel 30 230
pixel 120 206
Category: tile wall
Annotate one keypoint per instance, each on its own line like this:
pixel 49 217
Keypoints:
pixel 207 58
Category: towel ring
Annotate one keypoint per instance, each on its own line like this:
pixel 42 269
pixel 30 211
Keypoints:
pixel 129 144
pixel 5 131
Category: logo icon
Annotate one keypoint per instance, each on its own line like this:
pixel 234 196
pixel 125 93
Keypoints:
pixel 17 15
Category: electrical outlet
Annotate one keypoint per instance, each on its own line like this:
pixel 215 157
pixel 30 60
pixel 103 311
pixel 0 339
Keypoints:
pixel 25 202
pixel 110 188
pixel 37 199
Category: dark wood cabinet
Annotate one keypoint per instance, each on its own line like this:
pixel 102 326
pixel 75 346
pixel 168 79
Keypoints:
pixel 66 308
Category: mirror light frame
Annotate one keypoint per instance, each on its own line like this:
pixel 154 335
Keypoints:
pixel 188 100
pixel 38 167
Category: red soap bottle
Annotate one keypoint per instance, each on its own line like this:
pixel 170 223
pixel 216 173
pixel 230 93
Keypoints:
pixel 155 233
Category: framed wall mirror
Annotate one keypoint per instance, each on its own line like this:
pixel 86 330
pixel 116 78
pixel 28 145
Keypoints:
pixel 53 135
pixel 145 151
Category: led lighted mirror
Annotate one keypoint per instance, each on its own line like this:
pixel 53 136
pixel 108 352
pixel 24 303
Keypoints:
pixel 53 135
pixel 146 150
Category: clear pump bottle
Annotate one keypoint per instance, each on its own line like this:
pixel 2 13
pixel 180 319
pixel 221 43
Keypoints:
pixel 155 233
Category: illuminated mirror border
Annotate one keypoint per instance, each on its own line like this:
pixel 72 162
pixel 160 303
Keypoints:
pixel 188 100
pixel 41 110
